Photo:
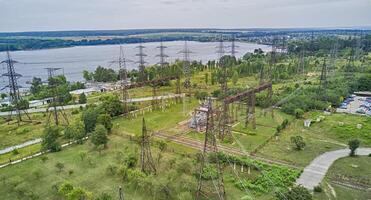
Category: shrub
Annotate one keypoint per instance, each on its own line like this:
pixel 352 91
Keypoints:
pixel 317 188
pixel 353 145
pixel 298 141
pixel 299 113
pixel 51 134
pixel 15 152
pixel 296 193
pixel 59 166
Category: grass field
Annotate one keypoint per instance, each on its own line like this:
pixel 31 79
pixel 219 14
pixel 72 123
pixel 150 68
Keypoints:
pixel 321 137
pixel 349 170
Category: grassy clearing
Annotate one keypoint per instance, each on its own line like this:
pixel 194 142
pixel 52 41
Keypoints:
pixel 342 193
pixel 354 170
pixel 321 137
pixel 246 137
pixel 11 134
pixel 20 153
pixel 156 120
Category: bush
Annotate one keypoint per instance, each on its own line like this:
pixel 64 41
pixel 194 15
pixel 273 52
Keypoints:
pixel 296 193
pixel 317 188
pixel 51 134
pixel 298 141
pixel 299 113
pixel 353 145
pixel 201 95
pixel 99 136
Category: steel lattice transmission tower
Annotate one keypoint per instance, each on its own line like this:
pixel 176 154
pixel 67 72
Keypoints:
pixel 187 68
pixel 301 64
pixel 141 55
pixel 333 57
pixel 224 117
pixel 13 86
pixel 53 86
pixel 162 71
pixel 323 78
pixel 215 188
pixel 123 72
pixel 146 161
pixel 162 63
pixel 234 47
pixel 273 60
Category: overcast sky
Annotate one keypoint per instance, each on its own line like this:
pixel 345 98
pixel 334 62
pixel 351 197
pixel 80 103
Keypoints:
pixel 42 15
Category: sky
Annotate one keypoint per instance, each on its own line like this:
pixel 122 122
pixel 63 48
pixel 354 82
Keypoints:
pixel 52 15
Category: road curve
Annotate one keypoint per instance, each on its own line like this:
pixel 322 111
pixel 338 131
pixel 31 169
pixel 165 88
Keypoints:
pixel 314 173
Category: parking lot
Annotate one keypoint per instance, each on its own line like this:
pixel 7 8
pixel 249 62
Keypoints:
pixel 356 105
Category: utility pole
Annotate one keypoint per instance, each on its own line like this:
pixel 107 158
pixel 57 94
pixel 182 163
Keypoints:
pixel 141 55
pixel 15 97
pixel 146 162
pixel 206 189
pixel 53 87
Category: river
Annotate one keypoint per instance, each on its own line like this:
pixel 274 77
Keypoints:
pixel 74 60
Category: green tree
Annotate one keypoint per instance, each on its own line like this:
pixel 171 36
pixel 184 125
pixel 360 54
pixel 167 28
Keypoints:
pixel 89 117
pixel 298 141
pixel 207 78
pixel 78 194
pixel 3 95
pixel 36 85
pixel 353 145
pixel 82 98
pixel 50 137
pixel 102 74
pixel 296 193
pixel 75 131
pixel 65 188
pixel 111 105
pixel 299 113
pixel 104 196
pixel 23 104
pixel 235 78
pixel 87 75
pixel 99 136
pixel 106 121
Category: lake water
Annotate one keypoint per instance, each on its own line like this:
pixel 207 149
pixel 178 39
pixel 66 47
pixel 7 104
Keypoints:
pixel 76 59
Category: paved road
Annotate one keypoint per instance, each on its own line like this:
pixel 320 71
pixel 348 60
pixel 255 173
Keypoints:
pixel 38 110
pixel 315 172
pixel 170 96
pixel 28 143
